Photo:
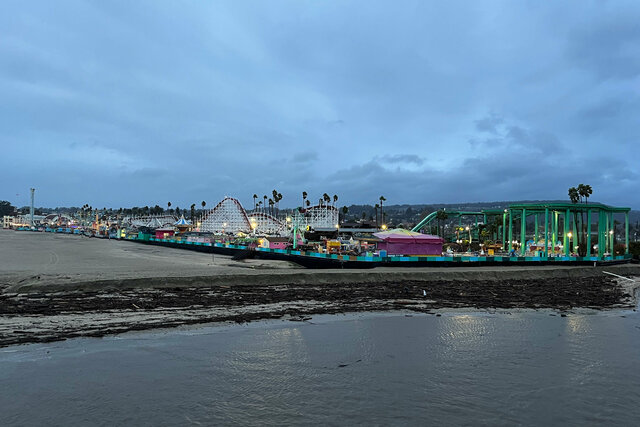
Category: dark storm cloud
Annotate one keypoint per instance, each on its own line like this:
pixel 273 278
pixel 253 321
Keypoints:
pixel 140 103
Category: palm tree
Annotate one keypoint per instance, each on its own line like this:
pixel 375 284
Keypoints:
pixel 308 203
pixel 271 206
pixel 304 197
pixel 193 211
pixel 169 207
pixel 335 199
pixel 584 190
pixel 344 212
pixel 382 199
pixel 574 196
pixel 279 196
pixel 265 201
pixel 255 197
pixel 203 204
pixel 376 209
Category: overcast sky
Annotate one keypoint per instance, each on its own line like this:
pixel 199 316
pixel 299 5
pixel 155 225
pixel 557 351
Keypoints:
pixel 122 103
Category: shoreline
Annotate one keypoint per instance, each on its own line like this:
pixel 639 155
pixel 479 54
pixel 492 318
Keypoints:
pixel 55 287
pixel 53 316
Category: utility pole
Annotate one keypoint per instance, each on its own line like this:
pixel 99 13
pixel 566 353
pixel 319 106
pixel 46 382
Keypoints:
pixel 33 190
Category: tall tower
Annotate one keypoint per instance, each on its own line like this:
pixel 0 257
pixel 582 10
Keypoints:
pixel 33 190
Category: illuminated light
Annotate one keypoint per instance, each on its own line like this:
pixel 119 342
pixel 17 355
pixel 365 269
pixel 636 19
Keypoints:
pixel 384 226
pixel 569 234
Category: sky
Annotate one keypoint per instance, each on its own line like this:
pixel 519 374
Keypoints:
pixel 119 103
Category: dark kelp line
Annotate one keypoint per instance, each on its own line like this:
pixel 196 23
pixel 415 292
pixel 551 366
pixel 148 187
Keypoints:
pixel 70 314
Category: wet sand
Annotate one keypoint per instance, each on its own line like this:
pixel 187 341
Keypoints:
pixel 55 286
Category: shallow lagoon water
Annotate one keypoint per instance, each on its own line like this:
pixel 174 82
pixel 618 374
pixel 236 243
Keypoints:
pixel 387 369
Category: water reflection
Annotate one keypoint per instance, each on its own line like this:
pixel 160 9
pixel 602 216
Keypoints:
pixel 518 368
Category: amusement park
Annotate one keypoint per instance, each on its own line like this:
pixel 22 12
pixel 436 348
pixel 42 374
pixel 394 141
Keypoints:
pixel 321 235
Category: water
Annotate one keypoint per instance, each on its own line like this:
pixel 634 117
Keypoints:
pixel 499 369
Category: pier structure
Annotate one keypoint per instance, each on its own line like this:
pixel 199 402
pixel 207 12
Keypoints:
pixel 551 223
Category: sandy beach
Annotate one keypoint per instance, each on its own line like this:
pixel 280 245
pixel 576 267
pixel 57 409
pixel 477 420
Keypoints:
pixel 55 286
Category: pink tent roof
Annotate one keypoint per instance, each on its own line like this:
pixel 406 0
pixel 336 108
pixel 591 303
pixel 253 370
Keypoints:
pixel 399 235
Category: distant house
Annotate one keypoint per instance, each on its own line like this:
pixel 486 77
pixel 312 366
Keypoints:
pixel 8 221
pixel 275 242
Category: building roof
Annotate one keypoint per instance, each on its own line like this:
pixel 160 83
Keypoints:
pixel 182 221
pixel 402 235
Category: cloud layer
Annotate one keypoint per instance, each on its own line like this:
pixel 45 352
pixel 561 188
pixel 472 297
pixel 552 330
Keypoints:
pixel 119 104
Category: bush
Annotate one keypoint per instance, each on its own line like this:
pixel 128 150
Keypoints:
pixel 619 248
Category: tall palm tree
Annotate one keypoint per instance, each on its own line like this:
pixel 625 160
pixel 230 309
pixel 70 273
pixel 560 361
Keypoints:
pixel 169 207
pixel 574 196
pixel 255 197
pixel 382 199
pixel 304 197
pixel 326 198
pixel 308 202
pixel 265 201
pixel 584 190
pixel 279 198
pixel 335 199
pixel 376 209
pixel 193 211
pixel 271 202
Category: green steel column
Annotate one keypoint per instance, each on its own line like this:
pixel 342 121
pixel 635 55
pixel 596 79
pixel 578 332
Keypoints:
pixel 555 230
pixel 565 239
pixel 535 233
pixel 523 232
pixel 504 230
pixel 606 231
pixel 546 232
pixel 612 233
pixel 626 233
pixel 552 224
pixel 510 228
pixel 601 225
pixel 575 235
pixel 589 232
